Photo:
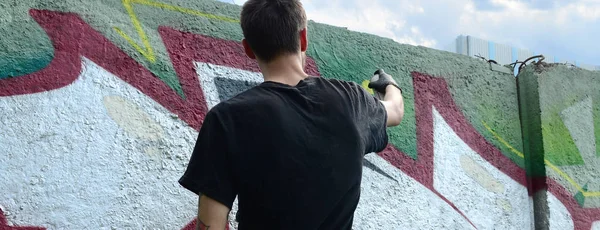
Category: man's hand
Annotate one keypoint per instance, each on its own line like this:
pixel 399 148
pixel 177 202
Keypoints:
pixel 390 93
pixel 381 80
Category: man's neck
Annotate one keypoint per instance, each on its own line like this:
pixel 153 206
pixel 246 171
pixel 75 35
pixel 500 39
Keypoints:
pixel 288 70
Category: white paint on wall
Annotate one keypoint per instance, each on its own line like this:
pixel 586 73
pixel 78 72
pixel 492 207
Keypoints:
pixel 560 218
pixel 74 159
pixel 67 164
pixel 483 203
pixel 596 225
pixel 401 204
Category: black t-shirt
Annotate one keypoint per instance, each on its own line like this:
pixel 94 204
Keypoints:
pixel 293 155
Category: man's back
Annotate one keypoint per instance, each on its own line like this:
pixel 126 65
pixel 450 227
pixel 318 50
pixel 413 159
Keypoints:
pixel 292 154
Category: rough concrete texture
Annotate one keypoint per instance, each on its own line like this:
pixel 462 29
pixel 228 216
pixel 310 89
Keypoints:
pixel 101 101
pixel 70 163
pixel 560 111
pixel 466 179
pixel 596 225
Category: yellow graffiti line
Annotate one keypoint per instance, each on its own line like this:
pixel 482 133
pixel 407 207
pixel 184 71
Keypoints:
pixel 564 175
pixel 185 10
pixel 148 53
pixel 147 50
pixel 512 149
pixel 548 163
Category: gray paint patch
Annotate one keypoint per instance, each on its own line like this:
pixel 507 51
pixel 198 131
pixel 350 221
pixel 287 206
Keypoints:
pixel 132 119
pixel 209 73
pixel 579 119
pixel 228 88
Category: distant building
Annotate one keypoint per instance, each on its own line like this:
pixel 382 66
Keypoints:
pixel 503 54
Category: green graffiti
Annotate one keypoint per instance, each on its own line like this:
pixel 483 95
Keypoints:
pixel 559 103
pixel 481 94
pixel 560 149
pixel 28 48
pixel 358 55
pixel 336 60
pixel 579 197
pixel 570 123
pixel 25 47
pixel 496 133
pixel 19 66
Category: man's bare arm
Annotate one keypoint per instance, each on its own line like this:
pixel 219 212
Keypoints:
pixel 212 215
pixel 394 105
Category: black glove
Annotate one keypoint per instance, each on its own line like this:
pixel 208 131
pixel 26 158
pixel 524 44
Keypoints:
pixel 381 80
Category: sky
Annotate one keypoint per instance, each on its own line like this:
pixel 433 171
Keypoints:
pixel 568 29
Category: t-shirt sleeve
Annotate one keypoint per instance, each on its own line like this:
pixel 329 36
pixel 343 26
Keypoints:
pixel 209 170
pixel 371 119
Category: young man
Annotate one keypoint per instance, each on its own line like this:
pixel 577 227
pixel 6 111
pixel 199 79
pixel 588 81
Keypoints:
pixel 291 149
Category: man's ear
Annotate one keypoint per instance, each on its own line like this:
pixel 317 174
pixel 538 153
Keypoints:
pixel 303 40
pixel 248 50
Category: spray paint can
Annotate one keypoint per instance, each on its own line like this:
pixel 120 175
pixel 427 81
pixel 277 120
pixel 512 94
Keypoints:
pixel 377 94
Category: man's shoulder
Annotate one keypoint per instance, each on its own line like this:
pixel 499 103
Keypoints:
pixel 243 99
pixel 349 87
pixel 338 81
pixel 345 84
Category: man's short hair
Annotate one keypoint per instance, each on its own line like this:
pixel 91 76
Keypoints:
pixel 272 27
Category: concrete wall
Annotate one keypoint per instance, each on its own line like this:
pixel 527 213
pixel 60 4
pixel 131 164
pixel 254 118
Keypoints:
pixel 561 120
pixel 101 102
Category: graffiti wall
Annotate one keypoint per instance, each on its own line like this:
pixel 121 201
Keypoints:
pixel 101 102
pixel 562 111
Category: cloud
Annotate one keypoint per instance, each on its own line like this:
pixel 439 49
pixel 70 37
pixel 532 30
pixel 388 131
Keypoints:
pixel 372 17
pixel 564 28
